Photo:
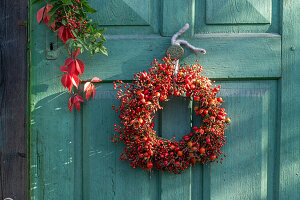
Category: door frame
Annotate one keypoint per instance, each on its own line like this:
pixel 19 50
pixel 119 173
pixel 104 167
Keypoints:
pixel 14 99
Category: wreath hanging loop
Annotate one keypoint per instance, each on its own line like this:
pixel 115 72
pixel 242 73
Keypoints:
pixel 175 52
pixel 176 42
pixel 141 100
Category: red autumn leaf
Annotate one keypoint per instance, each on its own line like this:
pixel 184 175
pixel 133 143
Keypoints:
pixel 48 8
pixel 46 19
pixel 77 100
pixel 63 69
pixel 80 66
pixel 67 82
pixel 52 26
pixel 76 53
pixel 86 86
pixel 77 105
pixel 60 32
pixel 65 34
pixel 88 94
pixel 96 79
pixel 68 61
pixel 40 14
pixel 89 88
pixel 71 103
pixel 73 69
pixel 75 80
pixel 69 34
pixel 64 80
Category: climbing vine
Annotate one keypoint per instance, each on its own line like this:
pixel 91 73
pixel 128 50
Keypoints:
pixel 69 19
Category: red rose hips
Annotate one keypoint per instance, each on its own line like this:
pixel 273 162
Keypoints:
pixel 213 156
pixel 179 153
pixel 193 160
pixel 141 120
pixel 207 140
pixel 149 165
pixel 202 150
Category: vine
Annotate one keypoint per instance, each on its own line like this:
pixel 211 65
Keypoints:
pixel 69 19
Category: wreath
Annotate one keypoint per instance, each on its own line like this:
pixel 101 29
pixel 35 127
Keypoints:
pixel 141 100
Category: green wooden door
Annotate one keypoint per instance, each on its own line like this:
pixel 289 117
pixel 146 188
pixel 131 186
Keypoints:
pixel 251 52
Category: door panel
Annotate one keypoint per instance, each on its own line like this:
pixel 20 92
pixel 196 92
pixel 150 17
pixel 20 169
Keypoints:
pixel 237 16
pixel 72 156
pixel 104 175
pixel 238 12
pixel 251 154
pixel 248 170
pixel 128 17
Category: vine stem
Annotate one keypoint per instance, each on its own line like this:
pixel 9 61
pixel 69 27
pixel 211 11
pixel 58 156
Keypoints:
pixel 68 50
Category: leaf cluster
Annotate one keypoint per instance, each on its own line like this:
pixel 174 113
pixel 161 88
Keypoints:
pixel 90 36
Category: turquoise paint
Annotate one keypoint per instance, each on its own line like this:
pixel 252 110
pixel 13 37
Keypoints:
pixel 71 156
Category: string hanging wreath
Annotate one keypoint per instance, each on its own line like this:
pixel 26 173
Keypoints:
pixel 141 100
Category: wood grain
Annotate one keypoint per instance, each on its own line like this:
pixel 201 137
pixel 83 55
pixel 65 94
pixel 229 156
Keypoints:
pixel 104 175
pixel 290 108
pixel 249 169
pixel 226 57
pixel 238 12
pixel 13 99
pixel 134 12
pixel 174 15
pixel 248 22
pixel 176 122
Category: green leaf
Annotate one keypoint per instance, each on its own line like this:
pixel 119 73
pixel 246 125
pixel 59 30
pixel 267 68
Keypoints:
pixel 37 2
pixel 64 22
pixel 88 8
pixel 54 9
pixel 51 20
pixel 67 2
pixel 74 33
pixel 83 44
pixel 103 50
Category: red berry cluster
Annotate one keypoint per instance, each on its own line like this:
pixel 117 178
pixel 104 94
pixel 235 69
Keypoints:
pixel 141 100
pixel 74 21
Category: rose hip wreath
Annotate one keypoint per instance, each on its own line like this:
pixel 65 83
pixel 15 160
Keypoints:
pixel 141 100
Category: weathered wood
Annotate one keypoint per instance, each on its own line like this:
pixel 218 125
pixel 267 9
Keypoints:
pixel 13 99
pixel 104 175
pixel 257 56
pixel 128 17
pixel 134 12
pixel 176 122
pixel 290 108
pixel 250 169
pixel 172 21
pixel 238 12
pixel 238 25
